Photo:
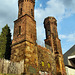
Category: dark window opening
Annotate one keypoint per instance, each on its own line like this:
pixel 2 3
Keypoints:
pixel 51 22
pixel 21 11
pixel 19 30
pixel 48 22
pixel 32 12
pixel 31 35
pixel 48 32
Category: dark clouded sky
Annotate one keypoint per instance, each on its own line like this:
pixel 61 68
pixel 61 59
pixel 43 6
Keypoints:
pixel 62 10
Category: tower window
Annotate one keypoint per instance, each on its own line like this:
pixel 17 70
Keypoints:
pixel 48 22
pixel 48 32
pixel 32 12
pixel 42 63
pixel 48 65
pixel 21 11
pixel 19 30
pixel 31 35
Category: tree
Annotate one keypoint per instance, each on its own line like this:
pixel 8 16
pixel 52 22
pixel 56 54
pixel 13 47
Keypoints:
pixel 5 43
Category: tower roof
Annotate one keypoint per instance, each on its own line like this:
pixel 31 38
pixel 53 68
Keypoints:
pixel 50 18
pixel 27 0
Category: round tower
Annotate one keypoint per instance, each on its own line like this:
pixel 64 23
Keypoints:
pixel 50 25
pixel 52 41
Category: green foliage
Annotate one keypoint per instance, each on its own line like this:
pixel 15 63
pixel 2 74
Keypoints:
pixel 5 43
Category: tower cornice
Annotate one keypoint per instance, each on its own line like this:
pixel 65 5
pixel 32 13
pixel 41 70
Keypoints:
pixel 25 15
pixel 50 20
pixel 19 1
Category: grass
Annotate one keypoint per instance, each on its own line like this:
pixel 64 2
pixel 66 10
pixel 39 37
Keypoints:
pixel 7 74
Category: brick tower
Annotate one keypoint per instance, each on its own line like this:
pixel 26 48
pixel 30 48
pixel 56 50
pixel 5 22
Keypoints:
pixel 52 41
pixel 24 38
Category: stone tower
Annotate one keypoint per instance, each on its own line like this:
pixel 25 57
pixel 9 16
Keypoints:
pixel 25 25
pixel 52 41
pixel 24 38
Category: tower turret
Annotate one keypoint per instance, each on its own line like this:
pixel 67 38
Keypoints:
pixel 26 7
pixel 52 41
pixel 50 25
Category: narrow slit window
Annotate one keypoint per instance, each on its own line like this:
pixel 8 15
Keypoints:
pixel 21 11
pixel 19 30
pixel 31 35
pixel 48 32
pixel 32 12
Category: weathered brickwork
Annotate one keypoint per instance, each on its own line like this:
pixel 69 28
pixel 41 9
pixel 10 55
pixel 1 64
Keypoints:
pixel 26 6
pixel 31 58
pixel 28 30
pixel 17 53
pixel 47 57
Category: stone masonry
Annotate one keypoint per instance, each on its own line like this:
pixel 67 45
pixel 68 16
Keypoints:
pixel 50 25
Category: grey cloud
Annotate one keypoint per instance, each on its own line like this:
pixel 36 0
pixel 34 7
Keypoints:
pixel 67 2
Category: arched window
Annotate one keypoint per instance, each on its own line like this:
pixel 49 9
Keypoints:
pixel 42 63
pixel 48 65
pixel 48 32
pixel 32 12
pixel 19 30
